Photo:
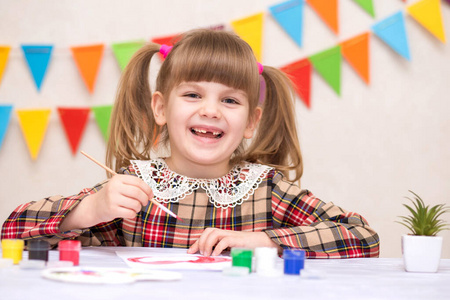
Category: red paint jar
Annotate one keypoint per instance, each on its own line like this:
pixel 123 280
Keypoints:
pixel 69 250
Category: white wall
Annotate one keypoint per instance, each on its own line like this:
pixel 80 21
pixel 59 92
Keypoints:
pixel 363 150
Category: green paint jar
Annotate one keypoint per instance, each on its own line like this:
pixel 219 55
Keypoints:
pixel 242 257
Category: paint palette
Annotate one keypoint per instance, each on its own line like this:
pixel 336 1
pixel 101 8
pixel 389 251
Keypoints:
pixel 108 275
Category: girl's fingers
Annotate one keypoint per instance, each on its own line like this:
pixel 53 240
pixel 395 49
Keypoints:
pixel 194 248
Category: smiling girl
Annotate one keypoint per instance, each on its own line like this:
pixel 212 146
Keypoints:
pixel 230 146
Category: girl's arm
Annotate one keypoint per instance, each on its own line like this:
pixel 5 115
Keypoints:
pixel 324 230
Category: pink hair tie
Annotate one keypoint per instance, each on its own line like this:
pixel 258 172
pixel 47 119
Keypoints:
pixel 165 50
pixel 260 68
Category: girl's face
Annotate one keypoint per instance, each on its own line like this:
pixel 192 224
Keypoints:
pixel 206 122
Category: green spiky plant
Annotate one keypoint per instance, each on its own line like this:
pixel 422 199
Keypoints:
pixel 423 219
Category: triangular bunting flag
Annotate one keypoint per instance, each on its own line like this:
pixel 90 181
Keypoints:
pixel 289 15
pixel 166 40
pixel 328 64
pixel 250 30
pixel 327 11
pixel 300 74
pixel 428 14
pixel 38 58
pixel 392 31
pixel 4 54
pixel 102 115
pixel 87 59
pixel 5 115
pixel 74 122
pixel 367 5
pixel 124 51
pixel 34 125
pixel 356 52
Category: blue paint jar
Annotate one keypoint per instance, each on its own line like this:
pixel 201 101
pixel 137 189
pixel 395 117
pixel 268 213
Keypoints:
pixel 294 261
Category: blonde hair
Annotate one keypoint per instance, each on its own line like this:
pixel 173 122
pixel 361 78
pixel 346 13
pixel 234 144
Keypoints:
pixel 214 56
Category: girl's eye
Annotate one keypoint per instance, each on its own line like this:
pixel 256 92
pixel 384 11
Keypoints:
pixel 192 95
pixel 230 101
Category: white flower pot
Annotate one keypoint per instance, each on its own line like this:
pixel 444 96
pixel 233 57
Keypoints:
pixel 421 253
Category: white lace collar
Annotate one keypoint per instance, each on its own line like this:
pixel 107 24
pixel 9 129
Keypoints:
pixel 227 191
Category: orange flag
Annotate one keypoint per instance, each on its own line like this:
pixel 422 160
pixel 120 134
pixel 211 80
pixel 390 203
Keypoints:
pixel 34 126
pixel 88 60
pixel 300 74
pixel 356 52
pixel 327 11
pixel 74 122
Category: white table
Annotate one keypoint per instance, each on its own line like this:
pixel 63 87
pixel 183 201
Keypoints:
pixel 369 278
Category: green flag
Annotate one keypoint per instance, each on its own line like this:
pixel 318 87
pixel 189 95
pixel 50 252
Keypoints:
pixel 102 115
pixel 328 64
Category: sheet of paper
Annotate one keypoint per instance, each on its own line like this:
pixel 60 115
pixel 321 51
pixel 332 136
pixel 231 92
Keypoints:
pixel 173 259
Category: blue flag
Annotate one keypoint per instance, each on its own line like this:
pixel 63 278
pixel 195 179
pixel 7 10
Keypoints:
pixel 289 15
pixel 38 58
pixel 392 31
pixel 5 115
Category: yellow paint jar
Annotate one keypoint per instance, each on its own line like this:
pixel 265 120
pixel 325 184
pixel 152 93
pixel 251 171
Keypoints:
pixel 12 248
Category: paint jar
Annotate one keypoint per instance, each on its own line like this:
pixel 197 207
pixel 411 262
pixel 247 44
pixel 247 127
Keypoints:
pixel 294 261
pixel 69 250
pixel 242 257
pixel 38 250
pixel 265 260
pixel 12 248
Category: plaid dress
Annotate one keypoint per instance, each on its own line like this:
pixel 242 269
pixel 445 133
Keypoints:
pixel 290 216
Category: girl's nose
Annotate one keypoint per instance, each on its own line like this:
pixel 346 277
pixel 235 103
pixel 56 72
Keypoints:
pixel 210 108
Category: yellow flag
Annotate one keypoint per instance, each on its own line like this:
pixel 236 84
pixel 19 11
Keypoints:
pixel 4 53
pixel 428 14
pixel 34 125
pixel 250 30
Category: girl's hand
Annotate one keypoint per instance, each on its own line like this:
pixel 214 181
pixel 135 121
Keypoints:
pixel 223 239
pixel 122 197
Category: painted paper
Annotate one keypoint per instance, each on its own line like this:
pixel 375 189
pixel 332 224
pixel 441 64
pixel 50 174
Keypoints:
pixel 356 52
pixel 300 74
pixel 164 259
pixel 87 59
pixel 392 31
pixel 74 123
pixel 38 59
pixel 124 51
pixel 289 15
pixel 33 123
pixel 250 29
pixel 5 116
pixel 4 54
pixel 328 64
pixel 327 11
pixel 428 14
pixel 102 116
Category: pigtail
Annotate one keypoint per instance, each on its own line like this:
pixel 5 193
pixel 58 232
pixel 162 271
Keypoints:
pixel 133 131
pixel 276 141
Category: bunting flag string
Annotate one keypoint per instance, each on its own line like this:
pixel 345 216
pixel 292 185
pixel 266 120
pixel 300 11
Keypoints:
pixel 288 14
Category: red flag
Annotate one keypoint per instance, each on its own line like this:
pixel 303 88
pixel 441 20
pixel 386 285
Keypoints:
pixel 300 74
pixel 74 121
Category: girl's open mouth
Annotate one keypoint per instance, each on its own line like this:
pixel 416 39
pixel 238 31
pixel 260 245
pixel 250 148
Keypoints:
pixel 207 134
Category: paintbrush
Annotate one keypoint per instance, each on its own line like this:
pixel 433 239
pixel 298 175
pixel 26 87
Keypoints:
pixel 114 173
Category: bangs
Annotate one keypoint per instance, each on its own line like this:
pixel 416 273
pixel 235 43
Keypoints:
pixel 212 56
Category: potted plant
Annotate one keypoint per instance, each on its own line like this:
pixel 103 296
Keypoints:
pixel 422 248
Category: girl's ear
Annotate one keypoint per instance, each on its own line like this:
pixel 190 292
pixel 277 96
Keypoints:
pixel 158 108
pixel 253 123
